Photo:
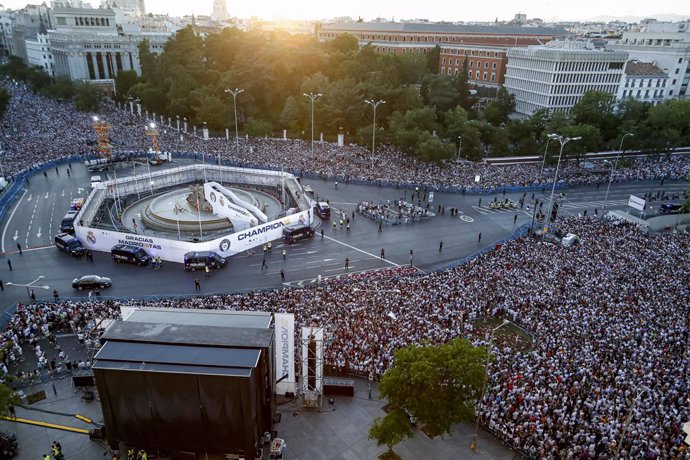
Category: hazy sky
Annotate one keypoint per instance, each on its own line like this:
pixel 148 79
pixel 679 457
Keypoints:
pixel 435 10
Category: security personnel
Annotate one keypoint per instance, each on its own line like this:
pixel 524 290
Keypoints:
pixel 270 246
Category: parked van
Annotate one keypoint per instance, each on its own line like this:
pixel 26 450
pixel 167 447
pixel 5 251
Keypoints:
pixel 67 223
pixel 323 210
pixel 200 260
pixel 296 232
pixel 671 208
pixel 69 244
pixel 129 254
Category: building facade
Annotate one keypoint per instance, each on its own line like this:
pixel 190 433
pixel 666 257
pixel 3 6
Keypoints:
pixel 665 44
pixel 220 11
pixel 88 45
pixel 483 46
pixel 644 82
pixel 39 53
pixel 556 76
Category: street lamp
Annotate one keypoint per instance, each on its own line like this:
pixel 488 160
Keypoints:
pixel 312 97
pixel 505 322
pixel 373 131
pixel 457 159
pixel 613 166
pixel 627 423
pixel 234 93
pixel 562 141
pixel 543 161
pixel 152 132
pixel 28 285
pixel 178 122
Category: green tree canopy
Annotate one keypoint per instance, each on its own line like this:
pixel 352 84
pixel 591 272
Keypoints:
pixel 438 385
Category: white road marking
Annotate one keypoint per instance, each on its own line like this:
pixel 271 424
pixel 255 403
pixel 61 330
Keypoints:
pixel 38 235
pixel 10 220
pixel 16 235
pixel 360 250
pixel 30 197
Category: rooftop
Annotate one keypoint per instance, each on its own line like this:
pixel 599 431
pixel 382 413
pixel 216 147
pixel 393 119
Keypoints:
pixel 191 317
pixel 415 27
pixel 647 69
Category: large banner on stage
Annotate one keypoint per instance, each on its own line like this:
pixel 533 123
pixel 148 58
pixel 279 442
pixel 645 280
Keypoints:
pixel 285 352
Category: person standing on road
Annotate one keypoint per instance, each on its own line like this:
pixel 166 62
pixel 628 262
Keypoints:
pixel 383 254
pixel 347 263
pixel 440 246
pixel 380 227
pixel 479 239
pixel 282 275
pixel 263 264
pixel 9 264
pixel 32 295
pixel 321 232
pixel 284 254
pixel 19 248
pixel 197 285
pixel 56 296
pixel 515 219
pixel 208 271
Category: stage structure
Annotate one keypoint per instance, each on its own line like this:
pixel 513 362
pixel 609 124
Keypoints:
pixel 192 208
pixel 312 366
pixel 188 383
pixel 102 129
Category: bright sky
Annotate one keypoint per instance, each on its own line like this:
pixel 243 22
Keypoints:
pixel 434 10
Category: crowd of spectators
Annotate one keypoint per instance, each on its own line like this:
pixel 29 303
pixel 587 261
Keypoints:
pixel 609 318
pixel 37 129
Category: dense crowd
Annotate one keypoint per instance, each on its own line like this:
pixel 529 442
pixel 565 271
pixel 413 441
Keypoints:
pixel 609 318
pixel 36 130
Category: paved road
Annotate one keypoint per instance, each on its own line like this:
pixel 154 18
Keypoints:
pixel 36 218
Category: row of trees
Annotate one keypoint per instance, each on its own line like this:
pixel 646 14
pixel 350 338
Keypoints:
pixel 425 113
pixel 86 97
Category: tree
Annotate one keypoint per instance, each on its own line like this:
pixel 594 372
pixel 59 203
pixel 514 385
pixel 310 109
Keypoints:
pixel 343 43
pixel 463 87
pixel 38 79
pixel 432 58
pixel 62 89
pixel 499 111
pixel 666 126
pixel 8 397
pixel 258 128
pixel 431 148
pixel 438 385
pixel 596 109
pixel 438 91
pixel 289 119
pixel 4 101
pixel 88 97
pixel 124 80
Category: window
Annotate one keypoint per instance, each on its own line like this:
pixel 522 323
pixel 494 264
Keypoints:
pixel 486 65
pixel 477 75
pixel 471 64
pixel 493 76
pixel 673 82
pixel 680 60
pixel 493 66
pixel 484 75
pixel 677 71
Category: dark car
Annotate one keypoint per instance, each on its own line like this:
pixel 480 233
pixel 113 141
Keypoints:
pixel 128 253
pixel 201 259
pixel 69 244
pixel 296 232
pixel 91 282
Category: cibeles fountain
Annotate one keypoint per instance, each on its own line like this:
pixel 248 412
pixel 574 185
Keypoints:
pixel 193 208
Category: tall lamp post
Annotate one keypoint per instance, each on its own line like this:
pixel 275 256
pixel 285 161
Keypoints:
pixel 457 158
pixel 234 93
pixel 152 132
pixel 562 141
pixel 505 322
pixel 373 131
pixel 615 165
pixel 627 423
pixel 28 286
pixel 312 97
pixel 543 161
